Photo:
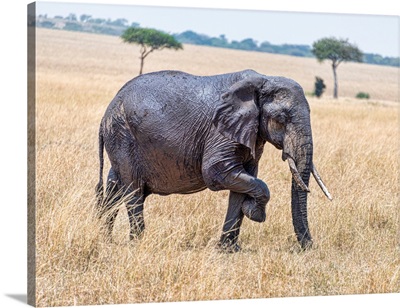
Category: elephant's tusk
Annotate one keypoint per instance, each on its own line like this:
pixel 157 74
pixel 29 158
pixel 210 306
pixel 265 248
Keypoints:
pixel 296 175
pixel 320 183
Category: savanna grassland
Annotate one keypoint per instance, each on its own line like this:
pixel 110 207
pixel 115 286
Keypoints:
pixel 356 149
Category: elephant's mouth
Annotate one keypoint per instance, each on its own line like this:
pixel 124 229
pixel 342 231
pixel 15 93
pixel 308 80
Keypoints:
pixel 284 156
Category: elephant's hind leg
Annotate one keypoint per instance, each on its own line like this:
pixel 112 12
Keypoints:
pixel 108 208
pixel 135 212
pixel 117 193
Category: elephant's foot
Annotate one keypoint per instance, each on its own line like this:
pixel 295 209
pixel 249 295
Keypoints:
pixel 229 243
pixel 252 211
pixel 306 243
pixel 229 247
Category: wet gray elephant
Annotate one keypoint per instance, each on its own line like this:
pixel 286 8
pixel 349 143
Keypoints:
pixel 170 132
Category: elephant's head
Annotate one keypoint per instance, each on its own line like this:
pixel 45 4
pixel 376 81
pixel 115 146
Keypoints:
pixel 274 109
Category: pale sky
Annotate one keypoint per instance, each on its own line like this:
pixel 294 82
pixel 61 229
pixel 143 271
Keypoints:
pixel 371 33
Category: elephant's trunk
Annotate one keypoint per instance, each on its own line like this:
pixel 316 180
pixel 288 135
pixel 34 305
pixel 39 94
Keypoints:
pixel 298 150
pixel 301 166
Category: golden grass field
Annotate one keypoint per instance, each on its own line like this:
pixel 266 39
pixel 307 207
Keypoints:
pixel 356 149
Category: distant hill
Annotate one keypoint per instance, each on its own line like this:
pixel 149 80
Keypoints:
pixel 86 23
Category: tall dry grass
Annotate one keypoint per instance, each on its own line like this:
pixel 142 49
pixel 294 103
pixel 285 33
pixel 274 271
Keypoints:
pixel 356 151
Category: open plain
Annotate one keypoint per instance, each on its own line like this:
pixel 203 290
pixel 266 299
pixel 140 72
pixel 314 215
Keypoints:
pixel 356 148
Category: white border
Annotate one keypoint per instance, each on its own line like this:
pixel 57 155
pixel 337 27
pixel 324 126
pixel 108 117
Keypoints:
pixel 13 142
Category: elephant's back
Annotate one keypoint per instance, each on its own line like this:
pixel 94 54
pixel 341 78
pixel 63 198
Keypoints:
pixel 167 102
pixel 167 89
pixel 174 96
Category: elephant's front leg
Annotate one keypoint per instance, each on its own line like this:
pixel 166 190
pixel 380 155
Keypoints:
pixel 256 191
pixel 233 221
pixel 236 178
pixel 249 196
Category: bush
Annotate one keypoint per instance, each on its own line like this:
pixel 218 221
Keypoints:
pixel 362 95
pixel 319 86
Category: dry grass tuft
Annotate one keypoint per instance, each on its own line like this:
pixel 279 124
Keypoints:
pixel 356 151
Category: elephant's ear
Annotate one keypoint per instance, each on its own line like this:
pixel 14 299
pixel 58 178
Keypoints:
pixel 237 116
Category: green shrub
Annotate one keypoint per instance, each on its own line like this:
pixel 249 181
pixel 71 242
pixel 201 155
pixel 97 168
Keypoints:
pixel 362 95
pixel 319 86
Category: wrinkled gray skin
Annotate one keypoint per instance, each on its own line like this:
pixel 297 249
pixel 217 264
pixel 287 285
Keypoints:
pixel 173 133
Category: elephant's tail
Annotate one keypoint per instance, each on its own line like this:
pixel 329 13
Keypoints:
pixel 99 186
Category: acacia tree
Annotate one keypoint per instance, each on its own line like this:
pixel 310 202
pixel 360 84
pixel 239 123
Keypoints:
pixel 337 51
pixel 149 40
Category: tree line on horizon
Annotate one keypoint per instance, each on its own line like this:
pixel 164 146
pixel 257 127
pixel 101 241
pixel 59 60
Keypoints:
pixel 191 37
pixel 86 23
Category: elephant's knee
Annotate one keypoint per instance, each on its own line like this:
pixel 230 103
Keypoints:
pixel 263 195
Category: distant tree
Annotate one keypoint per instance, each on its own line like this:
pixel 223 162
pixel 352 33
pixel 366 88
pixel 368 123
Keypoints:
pixel 248 44
pixel 337 51
pixel 47 24
pixel 220 41
pixel 85 18
pixel 120 22
pixel 191 37
pixel 71 17
pixel 97 20
pixel 234 45
pixel 266 47
pixel 104 29
pixel 149 40
pixel 72 26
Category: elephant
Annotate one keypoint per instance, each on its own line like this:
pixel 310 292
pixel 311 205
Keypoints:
pixel 170 132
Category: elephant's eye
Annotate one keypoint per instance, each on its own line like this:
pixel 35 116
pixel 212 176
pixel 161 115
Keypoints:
pixel 281 95
pixel 281 118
